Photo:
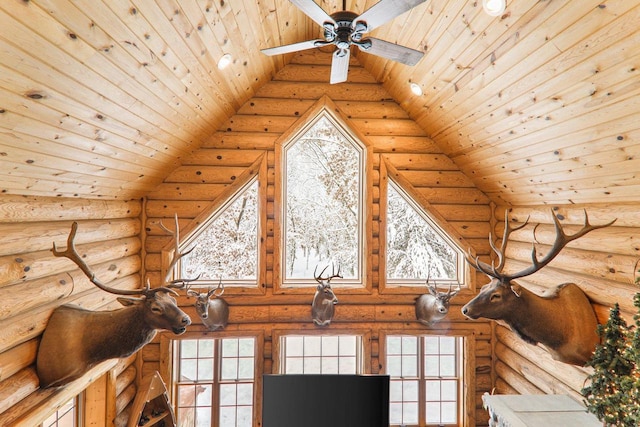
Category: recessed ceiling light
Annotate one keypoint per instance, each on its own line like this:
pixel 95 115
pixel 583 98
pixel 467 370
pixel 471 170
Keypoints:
pixel 494 7
pixel 416 89
pixel 224 61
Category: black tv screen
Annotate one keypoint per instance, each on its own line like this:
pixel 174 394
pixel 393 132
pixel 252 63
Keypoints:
pixel 325 401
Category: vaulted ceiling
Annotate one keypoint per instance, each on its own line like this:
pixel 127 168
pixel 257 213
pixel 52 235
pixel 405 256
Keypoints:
pixel 104 98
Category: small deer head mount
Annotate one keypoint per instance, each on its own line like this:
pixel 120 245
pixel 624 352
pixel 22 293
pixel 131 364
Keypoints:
pixel 434 306
pixel 322 307
pixel 214 312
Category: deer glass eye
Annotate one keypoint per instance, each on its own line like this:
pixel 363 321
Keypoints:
pixel 495 297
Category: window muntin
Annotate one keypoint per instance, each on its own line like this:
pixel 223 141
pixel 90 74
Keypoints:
pixel 327 354
pixel 226 245
pixel 416 247
pixel 425 379
pixel 323 203
pixel 215 376
pixel 67 416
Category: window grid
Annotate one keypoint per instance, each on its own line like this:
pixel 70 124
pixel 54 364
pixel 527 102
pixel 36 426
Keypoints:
pixel 425 379
pixel 335 354
pixel 66 416
pixel 215 375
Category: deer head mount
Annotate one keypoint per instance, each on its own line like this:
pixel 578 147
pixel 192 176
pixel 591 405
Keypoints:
pixel 562 320
pixel 76 339
pixel 434 306
pixel 214 312
pixel 324 300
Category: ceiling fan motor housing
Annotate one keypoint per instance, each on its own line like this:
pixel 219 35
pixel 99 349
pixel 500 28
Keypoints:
pixel 343 33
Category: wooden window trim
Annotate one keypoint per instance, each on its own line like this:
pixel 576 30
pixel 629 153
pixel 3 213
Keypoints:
pixel 327 105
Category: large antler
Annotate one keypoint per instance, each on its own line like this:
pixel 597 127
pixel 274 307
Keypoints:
pixel 175 257
pixel 493 270
pixel 71 253
pixel 211 291
pixel 560 242
pixel 319 277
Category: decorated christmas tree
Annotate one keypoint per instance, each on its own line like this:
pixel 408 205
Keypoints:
pixel 631 384
pixel 607 395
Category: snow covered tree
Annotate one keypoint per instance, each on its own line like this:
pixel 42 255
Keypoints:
pixel 323 201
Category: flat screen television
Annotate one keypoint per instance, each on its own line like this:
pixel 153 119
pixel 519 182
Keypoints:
pixel 325 401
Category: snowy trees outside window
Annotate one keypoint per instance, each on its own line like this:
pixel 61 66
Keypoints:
pixel 226 247
pixel 416 249
pixel 323 201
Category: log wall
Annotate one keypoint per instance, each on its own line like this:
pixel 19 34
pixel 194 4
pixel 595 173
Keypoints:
pixel 33 283
pixel 396 141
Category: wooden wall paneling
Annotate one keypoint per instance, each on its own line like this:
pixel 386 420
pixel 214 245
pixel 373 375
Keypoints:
pixel 95 400
pixel 515 380
pixel 501 71
pixel 139 83
pixel 534 375
pixel 39 404
pixel 571 377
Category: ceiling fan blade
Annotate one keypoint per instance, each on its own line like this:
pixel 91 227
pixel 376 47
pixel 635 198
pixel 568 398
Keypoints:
pixel 340 66
pixel 313 11
pixel 386 10
pixel 295 47
pixel 391 51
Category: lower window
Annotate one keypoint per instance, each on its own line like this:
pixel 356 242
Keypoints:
pixel 426 375
pixel 67 416
pixel 215 382
pixel 321 354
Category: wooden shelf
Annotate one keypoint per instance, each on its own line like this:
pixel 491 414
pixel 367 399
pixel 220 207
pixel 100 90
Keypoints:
pixel 152 398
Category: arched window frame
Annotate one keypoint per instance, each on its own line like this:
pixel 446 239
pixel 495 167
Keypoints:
pixel 364 285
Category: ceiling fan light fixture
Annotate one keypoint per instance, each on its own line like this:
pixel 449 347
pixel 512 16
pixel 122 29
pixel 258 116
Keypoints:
pixel 224 61
pixel 494 7
pixel 416 89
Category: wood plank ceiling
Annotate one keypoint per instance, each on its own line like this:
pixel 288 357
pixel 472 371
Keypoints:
pixel 103 98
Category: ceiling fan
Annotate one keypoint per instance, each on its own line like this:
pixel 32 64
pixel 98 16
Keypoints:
pixel 344 29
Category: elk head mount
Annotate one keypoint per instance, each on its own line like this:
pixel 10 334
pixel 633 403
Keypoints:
pixel 324 300
pixel 434 306
pixel 562 319
pixel 214 312
pixel 76 339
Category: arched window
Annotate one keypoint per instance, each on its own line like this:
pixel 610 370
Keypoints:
pixel 323 199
